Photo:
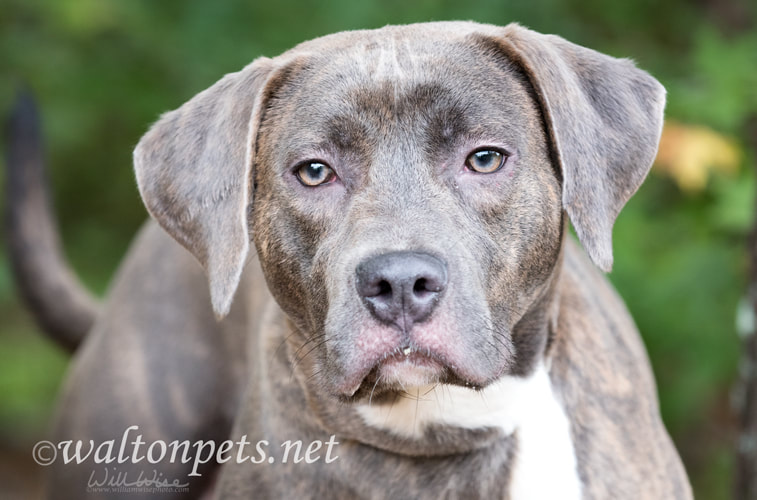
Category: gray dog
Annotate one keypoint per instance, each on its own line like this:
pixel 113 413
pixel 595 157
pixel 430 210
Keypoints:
pixel 413 321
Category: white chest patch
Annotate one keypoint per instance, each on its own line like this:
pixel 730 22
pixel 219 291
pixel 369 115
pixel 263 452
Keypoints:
pixel 545 461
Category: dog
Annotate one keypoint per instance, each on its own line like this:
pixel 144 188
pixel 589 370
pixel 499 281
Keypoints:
pixel 361 247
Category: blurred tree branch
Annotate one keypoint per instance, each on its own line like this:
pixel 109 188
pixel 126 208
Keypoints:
pixel 746 451
pixel 730 15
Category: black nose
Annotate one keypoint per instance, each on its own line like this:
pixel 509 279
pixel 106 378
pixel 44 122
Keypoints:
pixel 401 288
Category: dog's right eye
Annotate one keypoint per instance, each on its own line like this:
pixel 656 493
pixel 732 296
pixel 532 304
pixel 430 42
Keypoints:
pixel 485 161
pixel 314 173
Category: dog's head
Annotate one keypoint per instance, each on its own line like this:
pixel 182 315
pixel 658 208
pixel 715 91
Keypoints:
pixel 405 189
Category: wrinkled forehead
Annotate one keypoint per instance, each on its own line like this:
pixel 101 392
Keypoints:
pixel 393 83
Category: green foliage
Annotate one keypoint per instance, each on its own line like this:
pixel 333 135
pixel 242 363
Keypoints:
pixel 103 70
pixel 719 87
pixel 31 371
pixel 682 278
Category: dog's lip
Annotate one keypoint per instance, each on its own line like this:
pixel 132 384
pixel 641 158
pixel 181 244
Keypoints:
pixel 409 370
pixel 420 357
pixel 406 352
pixel 412 356
pixel 409 354
pixel 399 354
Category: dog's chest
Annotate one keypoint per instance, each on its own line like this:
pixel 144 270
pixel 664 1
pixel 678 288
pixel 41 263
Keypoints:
pixel 542 463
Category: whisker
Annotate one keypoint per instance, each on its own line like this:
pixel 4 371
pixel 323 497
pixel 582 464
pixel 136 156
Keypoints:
pixel 298 360
pixel 370 398
pixel 391 407
pixel 415 417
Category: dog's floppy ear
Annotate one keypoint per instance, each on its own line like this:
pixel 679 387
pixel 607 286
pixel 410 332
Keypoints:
pixel 604 117
pixel 193 170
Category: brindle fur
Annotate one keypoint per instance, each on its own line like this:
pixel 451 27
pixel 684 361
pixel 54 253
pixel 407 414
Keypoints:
pixel 395 111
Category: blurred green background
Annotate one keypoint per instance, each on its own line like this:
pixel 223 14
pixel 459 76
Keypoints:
pixel 103 70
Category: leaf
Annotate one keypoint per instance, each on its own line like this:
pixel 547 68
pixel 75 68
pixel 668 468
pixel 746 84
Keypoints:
pixel 689 153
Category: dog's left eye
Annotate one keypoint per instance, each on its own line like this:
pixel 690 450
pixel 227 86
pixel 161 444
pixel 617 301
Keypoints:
pixel 314 173
pixel 485 161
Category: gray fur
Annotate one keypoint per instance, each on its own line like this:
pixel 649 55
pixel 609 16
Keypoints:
pixel 395 112
pixel 605 120
pixel 193 168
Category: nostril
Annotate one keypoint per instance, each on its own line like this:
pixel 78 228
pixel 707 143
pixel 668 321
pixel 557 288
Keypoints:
pixel 420 286
pixel 384 289
pixel 373 287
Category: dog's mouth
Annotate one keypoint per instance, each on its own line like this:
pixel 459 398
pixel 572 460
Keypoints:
pixel 403 369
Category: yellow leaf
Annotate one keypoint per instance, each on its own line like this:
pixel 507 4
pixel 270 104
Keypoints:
pixel 689 153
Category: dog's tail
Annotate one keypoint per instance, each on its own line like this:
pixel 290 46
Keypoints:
pixel 62 307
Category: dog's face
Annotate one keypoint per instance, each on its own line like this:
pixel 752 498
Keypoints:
pixel 405 190
pixel 406 213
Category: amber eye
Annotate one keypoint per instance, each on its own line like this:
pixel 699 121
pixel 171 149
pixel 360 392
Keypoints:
pixel 485 161
pixel 314 173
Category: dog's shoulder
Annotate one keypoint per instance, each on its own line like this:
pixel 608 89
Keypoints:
pixel 591 310
pixel 596 341
pixel 600 369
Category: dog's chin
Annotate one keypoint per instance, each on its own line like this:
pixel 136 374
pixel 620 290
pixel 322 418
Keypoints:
pixel 413 370
pixel 401 373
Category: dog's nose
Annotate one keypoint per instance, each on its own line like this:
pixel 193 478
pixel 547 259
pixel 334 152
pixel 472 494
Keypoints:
pixel 401 288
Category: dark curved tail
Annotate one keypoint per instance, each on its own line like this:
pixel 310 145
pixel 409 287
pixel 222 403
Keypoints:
pixel 62 307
